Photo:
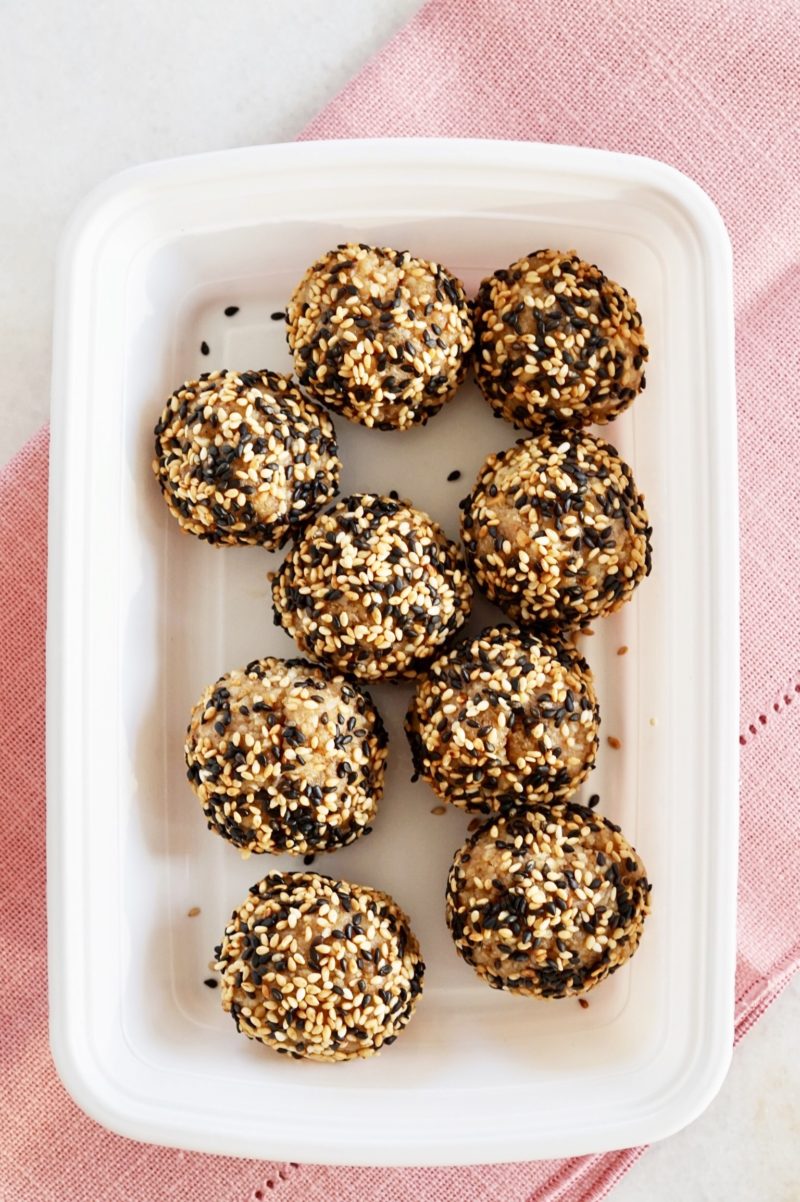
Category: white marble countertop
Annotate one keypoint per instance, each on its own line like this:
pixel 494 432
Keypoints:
pixel 95 88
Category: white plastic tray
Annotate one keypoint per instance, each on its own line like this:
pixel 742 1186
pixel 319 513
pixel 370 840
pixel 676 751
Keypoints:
pixel 140 618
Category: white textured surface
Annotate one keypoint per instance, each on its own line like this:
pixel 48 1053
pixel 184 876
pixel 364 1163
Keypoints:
pixel 747 1144
pixel 110 86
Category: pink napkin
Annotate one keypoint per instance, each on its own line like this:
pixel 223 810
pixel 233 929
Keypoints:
pixel 711 88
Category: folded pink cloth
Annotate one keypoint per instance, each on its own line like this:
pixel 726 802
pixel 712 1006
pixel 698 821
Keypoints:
pixel 707 87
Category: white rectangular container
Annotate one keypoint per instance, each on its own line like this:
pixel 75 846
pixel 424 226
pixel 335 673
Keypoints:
pixel 142 617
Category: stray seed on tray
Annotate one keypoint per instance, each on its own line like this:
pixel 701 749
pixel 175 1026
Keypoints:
pixel 582 1002
pixel 454 475
pixel 210 983
pixel 594 800
pixel 622 650
pixel 231 310
pixel 309 859
pixel 439 810
pixel 614 742
pixel 204 348
pixel 278 315
pixel 195 910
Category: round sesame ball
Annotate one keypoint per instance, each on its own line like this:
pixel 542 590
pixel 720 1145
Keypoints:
pixel 319 969
pixel 547 902
pixel 372 587
pixel 379 336
pixel 557 342
pixel 286 756
pixel 244 457
pixel 555 530
pixel 504 720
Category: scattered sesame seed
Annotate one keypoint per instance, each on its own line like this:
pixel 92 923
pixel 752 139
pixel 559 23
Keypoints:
pixel 614 742
pixel 582 1002
pixel 231 310
pixel 439 810
pixel 454 475
pixel 652 722
pixel 622 650
pixel 211 983
pixel 278 315
pixel 205 348
pixel 195 910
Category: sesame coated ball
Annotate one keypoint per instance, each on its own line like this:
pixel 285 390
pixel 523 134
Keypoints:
pixel 244 457
pixel 319 969
pixel 286 756
pixel 504 720
pixel 379 336
pixel 547 902
pixel 557 342
pixel 373 587
pixel 555 530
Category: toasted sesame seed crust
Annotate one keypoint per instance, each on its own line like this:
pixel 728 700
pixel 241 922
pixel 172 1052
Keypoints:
pixel 555 530
pixel 379 336
pixel 372 587
pixel 319 969
pixel 547 902
pixel 557 342
pixel 286 756
pixel 504 721
pixel 244 457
